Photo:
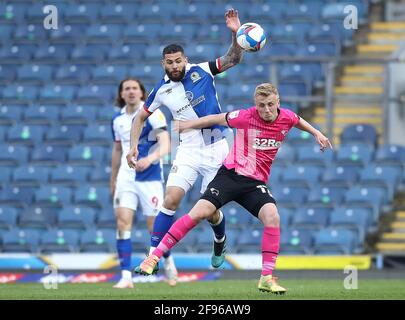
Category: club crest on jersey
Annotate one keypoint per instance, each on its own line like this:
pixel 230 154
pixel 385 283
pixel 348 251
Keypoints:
pixel 195 76
pixel 174 169
pixel 233 114
pixel 189 96
pixel 283 132
pixel 214 191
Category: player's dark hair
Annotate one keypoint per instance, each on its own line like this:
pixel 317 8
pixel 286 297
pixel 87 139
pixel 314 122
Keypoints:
pixel 172 48
pixel 119 102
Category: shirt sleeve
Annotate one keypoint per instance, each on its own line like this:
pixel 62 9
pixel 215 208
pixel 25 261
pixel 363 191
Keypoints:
pixel 115 134
pixel 293 117
pixel 157 120
pixel 152 102
pixel 212 67
pixel 238 119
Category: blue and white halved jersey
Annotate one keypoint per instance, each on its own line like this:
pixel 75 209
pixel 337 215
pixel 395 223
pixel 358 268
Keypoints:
pixel 193 97
pixel 121 132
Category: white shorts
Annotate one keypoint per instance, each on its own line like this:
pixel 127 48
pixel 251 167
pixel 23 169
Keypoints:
pixel 149 194
pixel 190 162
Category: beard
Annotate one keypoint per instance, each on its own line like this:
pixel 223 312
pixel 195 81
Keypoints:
pixel 178 77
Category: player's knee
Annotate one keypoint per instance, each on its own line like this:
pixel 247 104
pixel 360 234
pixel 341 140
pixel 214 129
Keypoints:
pixel 171 202
pixel 123 223
pixel 269 216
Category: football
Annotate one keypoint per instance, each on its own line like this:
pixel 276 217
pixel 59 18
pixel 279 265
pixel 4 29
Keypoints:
pixel 251 37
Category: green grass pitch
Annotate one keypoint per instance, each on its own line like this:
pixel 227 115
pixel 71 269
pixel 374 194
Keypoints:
pixel 211 290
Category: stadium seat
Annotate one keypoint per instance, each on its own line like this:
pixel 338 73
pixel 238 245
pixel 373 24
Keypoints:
pixel 27 134
pixel 37 218
pixel 140 240
pixel 84 154
pixel 126 53
pixel 369 197
pixel 204 241
pixel 390 154
pixel 354 153
pixel 83 13
pixel 41 115
pixel 288 195
pixel 92 196
pixel 285 155
pixel 202 52
pixel 387 176
pixel 301 175
pixel 363 133
pixel 249 241
pixel 7 74
pixel 295 241
pixel 64 134
pixel 20 93
pixel 110 74
pixel 106 113
pixel 8 218
pixel 299 137
pixel 95 94
pixel 78 114
pixel 176 32
pixel 356 219
pixel 236 216
pixel 263 12
pixel 310 217
pixel 54 196
pixel 34 74
pixel 344 176
pixel 6 174
pixel 53 93
pixel 326 196
pixel 16 196
pixel 141 32
pixel 31 33
pixel 30 176
pixel 67 34
pixel 69 175
pixel 72 74
pixel 89 54
pixel 13 155
pixel 47 154
pixel 20 241
pixel 97 134
pixel 334 241
pixel 122 12
pixel 214 33
pixel 11 114
pixel 100 174
pixel 52 54
pixel 55 241
pixel 14 54
pixel 103 33
pixel 97 241
pixel 76 217
pixel 106 217
pixel 154 13
pixel 311 154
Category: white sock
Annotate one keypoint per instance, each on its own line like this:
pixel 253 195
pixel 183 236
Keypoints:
pixel 151 250
pixel 126 274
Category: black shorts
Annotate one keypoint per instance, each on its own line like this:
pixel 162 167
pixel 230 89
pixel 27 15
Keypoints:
pixel 229 186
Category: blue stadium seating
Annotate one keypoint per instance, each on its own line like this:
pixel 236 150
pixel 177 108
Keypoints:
pixel 295 241
pixel 325 195
pixel 69 175
pixel 13 154
pixel 64 134
pixel 236 216
pixel 249 241
pixel 37 218
pixel 310 217
pixel 359 133
pixel 31 176
pixel 288 195
pixel 76 217
pixel 41 115
pixel 85 154
pixel 390 154
pixel 338 175
pixel 123 12
pixel 35 74
pixel 97 134
pixel 106 217
pixel 16 196
pixel 20 93
pixel 103 33
pixel 47 154
pixel 301 175
pixel 100 174
pixel 7 74
pixel 8 218
pixel 72 74
pixel 78 114
pixel 27 134
pixel 19 240
pixel 312 154
pixel 334 241
pixel 92 195
pixel 11 114
pixel 52 93
pixel 52 195
pixel 97 241
pixel 55 241
pixel 83 13
pixel 52 53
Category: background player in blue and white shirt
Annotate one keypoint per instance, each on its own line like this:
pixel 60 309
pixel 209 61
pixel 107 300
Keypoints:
pixel 188 91
pixel 145 187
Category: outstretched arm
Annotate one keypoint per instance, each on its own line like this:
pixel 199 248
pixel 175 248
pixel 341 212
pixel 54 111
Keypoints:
pixel 323 141
pixel 204 122
pixel 235 52
pixel 136 129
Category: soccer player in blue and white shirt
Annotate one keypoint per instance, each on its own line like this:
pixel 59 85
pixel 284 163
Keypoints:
pixel 189 92
pixel 143 187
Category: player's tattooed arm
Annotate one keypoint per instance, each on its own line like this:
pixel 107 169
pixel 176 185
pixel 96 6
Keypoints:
pixel 235 52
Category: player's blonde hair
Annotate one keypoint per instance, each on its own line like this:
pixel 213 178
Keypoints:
pixel 266 89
